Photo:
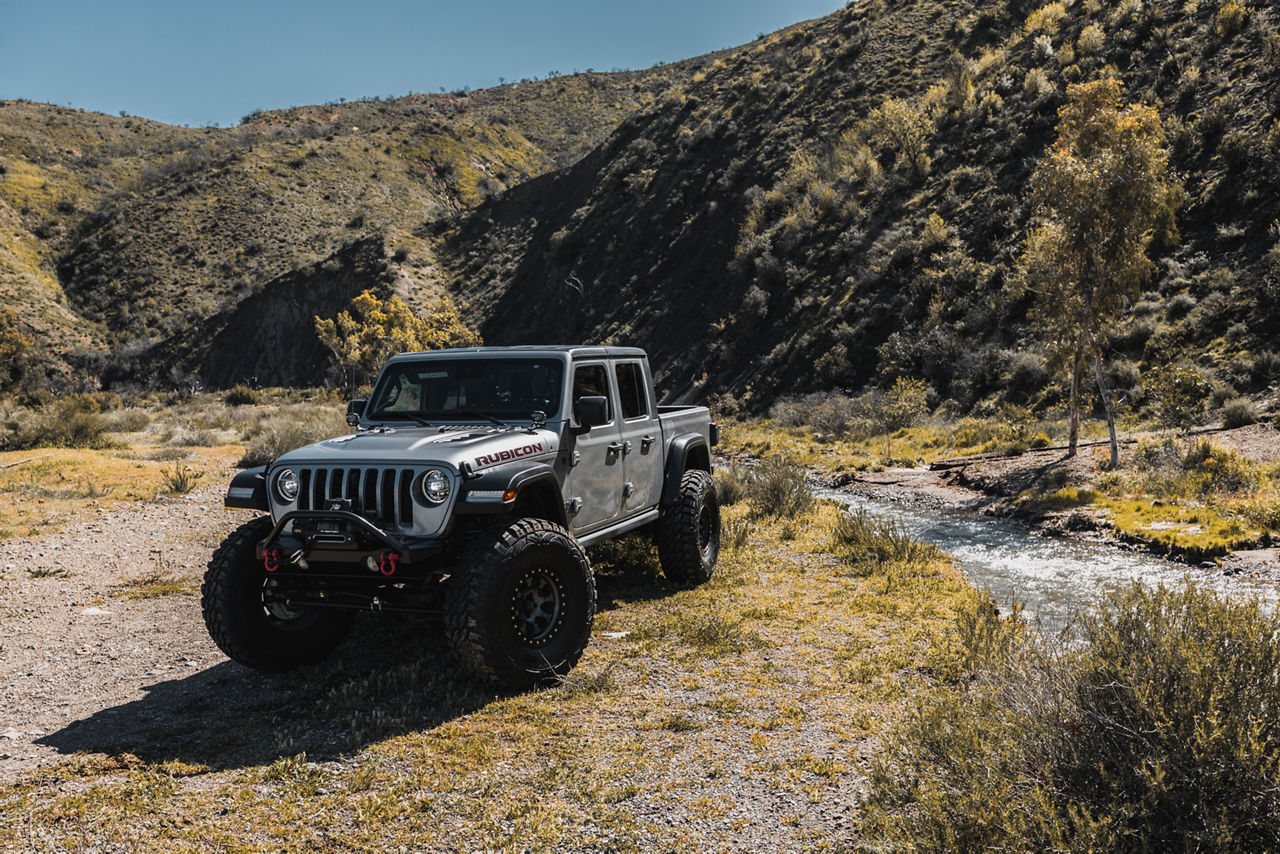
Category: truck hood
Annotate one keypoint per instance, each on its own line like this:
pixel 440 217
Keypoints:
pixel 478 446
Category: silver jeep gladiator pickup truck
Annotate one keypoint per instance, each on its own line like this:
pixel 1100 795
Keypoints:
pixel 473 482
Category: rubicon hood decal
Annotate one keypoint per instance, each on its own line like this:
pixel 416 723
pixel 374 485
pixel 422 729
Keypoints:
pixel 508 454
pixel 478 448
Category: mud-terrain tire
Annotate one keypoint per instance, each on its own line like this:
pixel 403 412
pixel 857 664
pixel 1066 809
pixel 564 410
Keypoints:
pixel 520 605
pixel 248 629
pixel 688 533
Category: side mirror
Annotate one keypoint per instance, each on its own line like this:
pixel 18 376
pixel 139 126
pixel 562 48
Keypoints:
pixel 355 408
pixel 591 412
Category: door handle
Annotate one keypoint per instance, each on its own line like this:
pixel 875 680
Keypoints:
pixel 645 443
pixel 614 447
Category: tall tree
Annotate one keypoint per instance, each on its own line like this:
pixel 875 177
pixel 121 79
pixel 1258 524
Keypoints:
pixel 1099 197
pixel 372 330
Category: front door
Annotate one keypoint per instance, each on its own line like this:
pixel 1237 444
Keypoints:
pixel 593 487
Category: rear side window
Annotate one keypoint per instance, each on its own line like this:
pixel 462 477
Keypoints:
pixel 631 391
pixel 590 381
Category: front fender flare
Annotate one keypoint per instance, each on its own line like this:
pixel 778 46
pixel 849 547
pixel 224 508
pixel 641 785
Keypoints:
pixel 248 490
pixel 486 493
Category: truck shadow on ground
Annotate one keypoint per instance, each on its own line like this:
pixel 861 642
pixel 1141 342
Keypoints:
pixel 627 571
pixel 392 676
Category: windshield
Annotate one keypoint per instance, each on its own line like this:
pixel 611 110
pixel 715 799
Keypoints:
pixel 466 388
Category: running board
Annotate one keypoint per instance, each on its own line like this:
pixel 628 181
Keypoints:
pixel 588 540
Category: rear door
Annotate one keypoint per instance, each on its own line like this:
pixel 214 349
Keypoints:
pixel 594 483
pixel 641 436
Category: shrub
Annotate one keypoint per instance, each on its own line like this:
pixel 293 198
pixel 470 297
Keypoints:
pixel 1157 455
pixel 1156 732
pixel 1043 48
pixel 1177 393
pixel 180 479
pixel 731 484
pixel 1216 470
pixel 736 533
pixel 1232 17
pixel 825 412
pixel 1046 19
pixel 242 395
pixel 777 487
pixel 1239 412
pixel 72 422
pixel 905 404
pixel 128 421
pixel 1092 39
pixel 866 544
pixel 935 233
pixel 282 436
pixel 190 436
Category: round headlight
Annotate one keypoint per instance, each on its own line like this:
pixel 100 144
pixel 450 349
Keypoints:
pixel 435 486
pixel 287 485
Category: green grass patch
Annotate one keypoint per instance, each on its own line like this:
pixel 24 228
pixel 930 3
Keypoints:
pixel 1194 532
pixel 1038 502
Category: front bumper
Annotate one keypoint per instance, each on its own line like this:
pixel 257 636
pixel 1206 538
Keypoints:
pixel 329 543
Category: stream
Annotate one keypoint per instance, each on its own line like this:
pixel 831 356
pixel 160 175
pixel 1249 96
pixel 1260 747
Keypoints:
pixel 1054 577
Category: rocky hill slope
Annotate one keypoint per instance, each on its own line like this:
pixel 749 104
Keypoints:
pixel 842 204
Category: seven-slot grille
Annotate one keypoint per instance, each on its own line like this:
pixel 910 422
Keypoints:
pixel 383 495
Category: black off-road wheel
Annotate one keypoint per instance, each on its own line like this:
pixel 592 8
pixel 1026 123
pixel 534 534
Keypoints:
pixel 248 621
pixel 688 533
pixel 520 605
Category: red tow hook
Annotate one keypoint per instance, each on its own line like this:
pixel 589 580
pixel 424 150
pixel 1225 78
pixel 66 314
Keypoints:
pixel 387 563
pixel 271 559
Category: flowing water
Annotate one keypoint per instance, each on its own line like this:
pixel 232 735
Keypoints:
pixel 1054 577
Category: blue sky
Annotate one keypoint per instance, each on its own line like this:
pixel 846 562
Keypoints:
pixel 213 62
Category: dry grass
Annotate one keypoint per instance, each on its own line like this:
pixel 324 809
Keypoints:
pixel 156 448
pixel 715 707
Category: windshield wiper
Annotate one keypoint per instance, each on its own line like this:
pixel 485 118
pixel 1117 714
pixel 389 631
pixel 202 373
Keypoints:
pixel 480 414
pixel 412 416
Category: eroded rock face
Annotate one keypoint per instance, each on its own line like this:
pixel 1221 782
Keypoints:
pixel 270 338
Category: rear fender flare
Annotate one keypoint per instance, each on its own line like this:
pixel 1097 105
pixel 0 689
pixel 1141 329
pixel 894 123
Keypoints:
pixel 687 451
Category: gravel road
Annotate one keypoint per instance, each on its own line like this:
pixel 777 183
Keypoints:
pixel 76 650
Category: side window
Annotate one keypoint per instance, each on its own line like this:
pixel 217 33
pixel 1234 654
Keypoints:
pixel 631 391
pixel 590 381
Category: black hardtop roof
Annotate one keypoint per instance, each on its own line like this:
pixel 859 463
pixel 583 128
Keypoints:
pixel 573 351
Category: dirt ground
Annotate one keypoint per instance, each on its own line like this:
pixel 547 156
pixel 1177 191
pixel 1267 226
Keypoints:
pixel 76 646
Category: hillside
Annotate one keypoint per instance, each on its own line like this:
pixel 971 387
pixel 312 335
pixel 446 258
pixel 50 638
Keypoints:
pixel 764 229
pixel 834 205
pixel 121 236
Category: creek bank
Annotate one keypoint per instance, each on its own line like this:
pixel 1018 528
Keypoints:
pixel 990 485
